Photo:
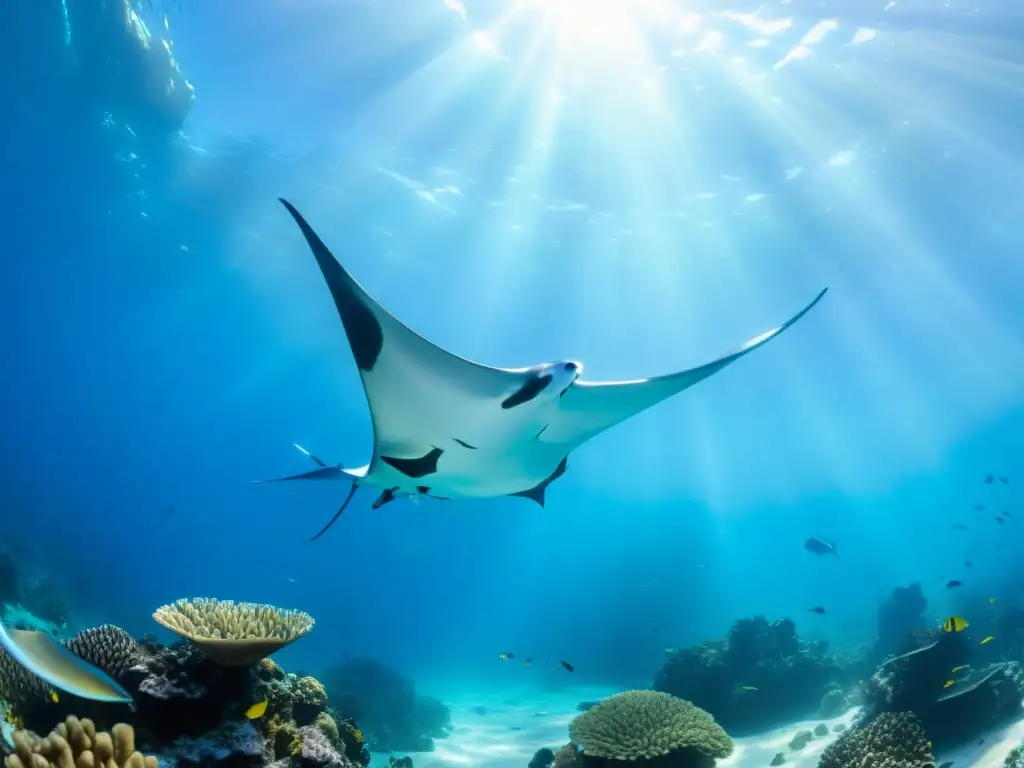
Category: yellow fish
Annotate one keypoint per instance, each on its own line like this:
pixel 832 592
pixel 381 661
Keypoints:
pixel 256 711
pixel 962 666
pixel 955 624
pixel 949 683
pixel 988 639
pixel 747 688
pixel 54 697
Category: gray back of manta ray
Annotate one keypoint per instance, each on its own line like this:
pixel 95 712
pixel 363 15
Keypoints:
pixel 449 428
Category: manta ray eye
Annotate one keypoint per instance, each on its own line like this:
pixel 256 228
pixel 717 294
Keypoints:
pixel 570 367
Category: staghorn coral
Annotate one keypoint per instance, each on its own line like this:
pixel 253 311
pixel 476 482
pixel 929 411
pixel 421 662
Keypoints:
pixel 77 744
pixel 234 634
pixel 647 724
pixel 891 740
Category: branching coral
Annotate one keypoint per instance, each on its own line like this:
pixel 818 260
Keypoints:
pixel 234 634
pixel 647 724
pixel 891 740
pixel 77 744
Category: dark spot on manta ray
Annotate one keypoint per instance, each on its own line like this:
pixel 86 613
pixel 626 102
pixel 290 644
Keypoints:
pixel 532 387
pixel 464 444
pixel 537 492
pixel 424 489
pixel 421 467
pixel 365 336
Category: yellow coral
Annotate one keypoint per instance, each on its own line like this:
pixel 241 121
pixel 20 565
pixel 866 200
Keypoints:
pixel 234 634
pixel 77 743
pixel 328 726
pixel 309 690
pixel 358 736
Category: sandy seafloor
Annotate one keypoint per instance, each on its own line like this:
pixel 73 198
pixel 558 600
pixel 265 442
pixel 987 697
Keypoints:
pixel 515 726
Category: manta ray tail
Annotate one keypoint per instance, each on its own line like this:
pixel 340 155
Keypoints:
pixel 333 520
pixel 324 473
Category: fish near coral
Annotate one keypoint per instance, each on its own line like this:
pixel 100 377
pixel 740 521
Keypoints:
pixel 49 660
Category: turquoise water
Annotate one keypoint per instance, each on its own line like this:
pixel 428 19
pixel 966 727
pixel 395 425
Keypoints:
pixel 639 186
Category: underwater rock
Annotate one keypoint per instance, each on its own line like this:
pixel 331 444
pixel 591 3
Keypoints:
pixel 801 740
pixel 542 758
pixel 918 680
pixel 314 751
pixel 759 677
pixel 833 703
pixel 821 730
pixel 892 740
pixel 232 745
pixel 390 712
pixel 779 759
pixel 899 614
pixel 400 762
pixel 568 756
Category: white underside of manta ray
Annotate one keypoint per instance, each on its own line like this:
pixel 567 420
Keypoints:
pixel 448 428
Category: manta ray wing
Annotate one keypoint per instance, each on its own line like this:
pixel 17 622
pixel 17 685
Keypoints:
pixel 423 399
pixel 589 408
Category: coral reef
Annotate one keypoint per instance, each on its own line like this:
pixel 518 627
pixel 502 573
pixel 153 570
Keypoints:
pixel 1015 759
pixel 902 612
pixel 191 709
pixel 77 743
pixel 761 675
pixel 918 681
pixel 393 716
pixel 542 758
pixel 648 726
pixel 891 740
pixel 234 634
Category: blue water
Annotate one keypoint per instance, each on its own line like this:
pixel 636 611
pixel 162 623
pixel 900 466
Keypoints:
pixel 638 186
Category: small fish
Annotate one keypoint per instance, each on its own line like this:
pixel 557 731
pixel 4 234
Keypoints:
pixel 968 564
pixel 955 624
pixel 818 610
pixel 949 683
pixel 748 688
pixel 668 651
pixel 954 583
pixel 505 655
pixel 1004 480
pixel 566 666
pixel 979 507
pixel 821 546
pixel 959 527
pixel 1007 514
pixel 999 519
pixel 528 662
pixel 988 639
pixel 257 710
pixel 54 697
pixel 962 666
pixel 991 601
pixel 989 479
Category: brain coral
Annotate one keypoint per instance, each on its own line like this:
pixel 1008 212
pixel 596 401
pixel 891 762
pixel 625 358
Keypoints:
pixel 647 724
pixel 891 740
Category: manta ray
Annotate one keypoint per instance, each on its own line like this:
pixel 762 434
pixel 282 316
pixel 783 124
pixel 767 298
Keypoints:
pixel 445 427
